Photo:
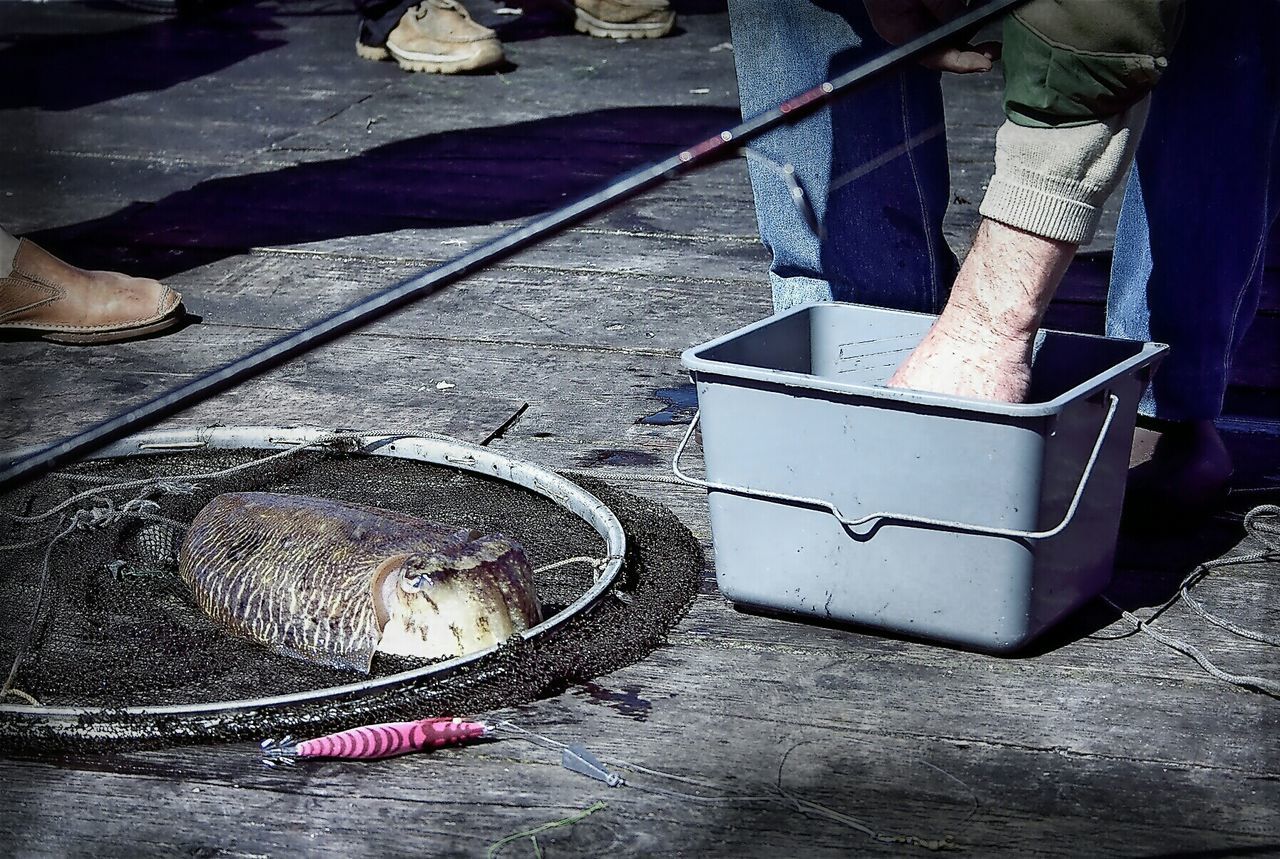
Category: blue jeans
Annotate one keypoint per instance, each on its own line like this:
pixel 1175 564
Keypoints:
pixel 873 164
pixel 378 18
pixel 1201 201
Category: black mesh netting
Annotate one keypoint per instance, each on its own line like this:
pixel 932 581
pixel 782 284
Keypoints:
pixel 116 631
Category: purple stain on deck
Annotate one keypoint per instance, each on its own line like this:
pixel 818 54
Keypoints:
pixel 626 700
pixel 682 403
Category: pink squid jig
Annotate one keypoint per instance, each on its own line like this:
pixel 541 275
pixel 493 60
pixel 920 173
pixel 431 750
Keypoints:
pixel 377 741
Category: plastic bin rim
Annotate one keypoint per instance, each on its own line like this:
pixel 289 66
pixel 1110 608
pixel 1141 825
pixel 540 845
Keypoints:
pixel 692 360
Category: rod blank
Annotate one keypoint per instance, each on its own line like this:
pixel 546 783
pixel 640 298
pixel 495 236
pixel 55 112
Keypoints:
pixel 426 283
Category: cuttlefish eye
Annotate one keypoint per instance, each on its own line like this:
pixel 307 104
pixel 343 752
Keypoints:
pixel 412 579
pixel 414 584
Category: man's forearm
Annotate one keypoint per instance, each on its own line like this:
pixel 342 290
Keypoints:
pixel 1044 201
pixel 1008 279
pixel 1069 140
pixel 981 344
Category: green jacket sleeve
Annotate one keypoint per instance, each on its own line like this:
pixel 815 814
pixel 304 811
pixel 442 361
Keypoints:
pixel 1077 77
pixel 1070 62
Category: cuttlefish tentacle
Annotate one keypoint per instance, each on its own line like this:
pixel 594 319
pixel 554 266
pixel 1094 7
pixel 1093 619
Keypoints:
pixel 333 582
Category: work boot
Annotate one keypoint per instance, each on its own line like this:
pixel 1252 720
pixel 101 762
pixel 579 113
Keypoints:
pixel 623 19
pixel 56 301
pixel 437 36
pixel 1179 474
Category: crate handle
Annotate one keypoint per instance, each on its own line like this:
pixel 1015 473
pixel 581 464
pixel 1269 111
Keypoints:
pixel 905 518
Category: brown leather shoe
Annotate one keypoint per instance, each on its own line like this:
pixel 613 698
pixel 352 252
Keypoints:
pixel 60 302
pixel 440 36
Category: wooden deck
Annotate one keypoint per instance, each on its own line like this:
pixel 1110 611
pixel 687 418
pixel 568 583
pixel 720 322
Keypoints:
pixel 271 176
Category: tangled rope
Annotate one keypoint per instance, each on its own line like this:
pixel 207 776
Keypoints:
pixel 1262 523
pixel 168 481
pixel 104 513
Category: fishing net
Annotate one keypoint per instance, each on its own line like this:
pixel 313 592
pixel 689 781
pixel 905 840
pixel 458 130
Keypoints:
pixel 98 618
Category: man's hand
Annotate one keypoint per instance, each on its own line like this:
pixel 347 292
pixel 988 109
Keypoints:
pixel 900 21
pixel 981 344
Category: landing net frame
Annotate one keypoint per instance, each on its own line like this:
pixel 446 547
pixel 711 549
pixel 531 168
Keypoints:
pixel 90 722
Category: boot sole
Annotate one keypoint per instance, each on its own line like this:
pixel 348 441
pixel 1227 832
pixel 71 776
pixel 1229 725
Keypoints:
pixel 115 335
pixel 372 52
pixel 584 22
pixel 483 56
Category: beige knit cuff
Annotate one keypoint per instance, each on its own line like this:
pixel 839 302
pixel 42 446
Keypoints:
pixel 1053 182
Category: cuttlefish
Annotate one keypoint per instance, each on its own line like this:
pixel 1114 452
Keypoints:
pixel 334 583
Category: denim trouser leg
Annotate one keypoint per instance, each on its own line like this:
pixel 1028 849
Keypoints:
pixel 1201 201
pixel 379 17
pixel 874 164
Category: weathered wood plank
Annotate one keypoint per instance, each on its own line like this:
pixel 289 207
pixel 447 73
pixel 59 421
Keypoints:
pixel 985 796
pixel 487 379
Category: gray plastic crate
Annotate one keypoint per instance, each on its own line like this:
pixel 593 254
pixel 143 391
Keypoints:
pixel 970 522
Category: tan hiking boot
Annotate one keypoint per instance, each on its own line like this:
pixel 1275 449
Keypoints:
pixel 623 19
pixel 56 301
pixel 370 52
pixel 439 36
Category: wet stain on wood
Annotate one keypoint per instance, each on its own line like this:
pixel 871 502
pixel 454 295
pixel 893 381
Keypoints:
pixel 682 403
pixel 626 700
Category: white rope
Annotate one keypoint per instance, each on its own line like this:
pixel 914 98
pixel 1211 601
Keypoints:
pixel 598 565
pixel 181 484
pixel 582 559
pixel 1264 532
pixel 22 696
pixel 105 513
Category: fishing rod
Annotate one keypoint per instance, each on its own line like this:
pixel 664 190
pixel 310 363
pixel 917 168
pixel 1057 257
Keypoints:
pixel 426 283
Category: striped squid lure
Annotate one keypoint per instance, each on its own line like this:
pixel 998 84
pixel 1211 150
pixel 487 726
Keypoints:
pixel 371 742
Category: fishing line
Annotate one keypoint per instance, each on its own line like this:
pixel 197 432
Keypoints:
pixel 382 303
pixel 888 155
pixel 795 190
pixel 776 793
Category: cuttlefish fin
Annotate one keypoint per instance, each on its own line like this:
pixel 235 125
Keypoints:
pixel 360 660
